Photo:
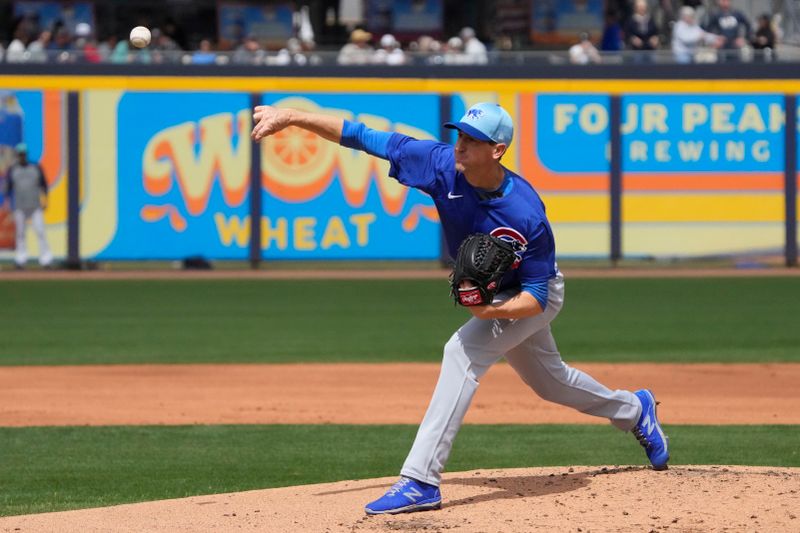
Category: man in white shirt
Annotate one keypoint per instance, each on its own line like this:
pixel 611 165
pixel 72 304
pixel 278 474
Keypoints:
pixel 687 36
pixel 473 48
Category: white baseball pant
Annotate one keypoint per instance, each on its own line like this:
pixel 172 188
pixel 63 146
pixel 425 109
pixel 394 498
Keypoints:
pixel 37 222
pixel 530 349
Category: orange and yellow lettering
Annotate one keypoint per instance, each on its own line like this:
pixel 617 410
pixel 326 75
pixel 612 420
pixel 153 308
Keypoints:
pixel 304 233
pixel 278 233
pixel 335 234
pixel 362 222
pixel 233 229
pixel 172 151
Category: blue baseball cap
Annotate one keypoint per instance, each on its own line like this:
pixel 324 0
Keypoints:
pixel 486 122
pixel 21 148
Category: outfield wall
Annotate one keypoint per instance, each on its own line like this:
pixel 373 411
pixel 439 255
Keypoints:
pixel 166 168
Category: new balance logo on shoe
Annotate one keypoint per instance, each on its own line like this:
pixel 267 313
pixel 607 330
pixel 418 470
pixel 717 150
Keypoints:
pixel 649 433
pixel 413 494
pixel 649 425
pixel 405 496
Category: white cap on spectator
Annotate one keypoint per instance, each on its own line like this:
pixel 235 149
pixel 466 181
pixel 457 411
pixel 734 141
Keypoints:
pixel 388 40
pixel 455 43
pixel 82 29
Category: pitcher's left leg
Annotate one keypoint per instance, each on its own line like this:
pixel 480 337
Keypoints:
pixel 539 364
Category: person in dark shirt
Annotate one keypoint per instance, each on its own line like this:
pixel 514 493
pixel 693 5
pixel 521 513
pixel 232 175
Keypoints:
pixel 612 33
pixel 733 27
pixel 641 33
pixel 764 41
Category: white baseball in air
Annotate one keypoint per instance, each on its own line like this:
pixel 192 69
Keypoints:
pixel 140 36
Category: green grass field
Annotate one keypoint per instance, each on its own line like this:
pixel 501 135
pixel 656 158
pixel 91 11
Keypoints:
pixel 79 322
pixel 47 469
pixel 82 322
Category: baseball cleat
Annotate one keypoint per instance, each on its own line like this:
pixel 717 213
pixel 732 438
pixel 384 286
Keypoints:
pixel 648 431
pixel 406 496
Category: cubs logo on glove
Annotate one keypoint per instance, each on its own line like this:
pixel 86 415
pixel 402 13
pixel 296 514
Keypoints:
pixel 481 262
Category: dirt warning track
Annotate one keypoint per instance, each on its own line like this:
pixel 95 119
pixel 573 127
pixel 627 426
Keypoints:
pixel 372 394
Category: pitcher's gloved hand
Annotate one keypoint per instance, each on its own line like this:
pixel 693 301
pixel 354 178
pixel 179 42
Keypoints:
pixel 480 265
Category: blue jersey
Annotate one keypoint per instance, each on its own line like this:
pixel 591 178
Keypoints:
pixel 518 216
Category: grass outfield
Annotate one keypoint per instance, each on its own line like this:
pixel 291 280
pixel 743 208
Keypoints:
pixel 659 320
pixel 49 469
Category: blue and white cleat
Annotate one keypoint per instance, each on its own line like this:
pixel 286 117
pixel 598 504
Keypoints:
pixel 648 431
pixel 406 496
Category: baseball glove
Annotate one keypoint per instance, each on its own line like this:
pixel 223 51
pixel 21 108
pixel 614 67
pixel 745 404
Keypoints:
pixel 481 263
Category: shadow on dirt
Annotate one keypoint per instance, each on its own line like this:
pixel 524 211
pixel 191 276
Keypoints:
pixel 530 486
pixel 513 487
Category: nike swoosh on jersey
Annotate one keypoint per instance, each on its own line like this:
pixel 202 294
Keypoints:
pixel 451 196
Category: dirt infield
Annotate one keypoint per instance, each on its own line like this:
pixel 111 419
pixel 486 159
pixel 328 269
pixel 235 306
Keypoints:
pixel 703 498
pixel 634 499
pixel 349 393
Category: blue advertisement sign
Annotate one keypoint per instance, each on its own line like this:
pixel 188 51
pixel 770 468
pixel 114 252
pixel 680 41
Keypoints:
pixel 326 201
pixel 179 171
pixel 663 133
pixel 184 181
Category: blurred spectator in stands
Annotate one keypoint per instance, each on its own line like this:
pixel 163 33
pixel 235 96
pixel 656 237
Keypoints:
pixel 733 27
pixel 777 27
pixel 121 52
pixel 17 48
pixel 205 54
pixel 358 51
pixel 641 34
pixel 474 50
pixel 583 52
pixel 764 40
pixel 175 33
pixel 249 52
pixel 427 50
pixel 281 59
pixel 700 11
pixel 612 33
pixel 687 36
pixel 106 47
pixel 296 52
pixel 664 15
pixel 454 52
pixel 390 52
pixel 62 39
pixel 38 48
pixel 308 48
pixel 165 49
pixel 85 44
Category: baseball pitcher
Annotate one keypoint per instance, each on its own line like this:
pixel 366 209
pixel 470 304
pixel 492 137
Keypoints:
pixel 506 276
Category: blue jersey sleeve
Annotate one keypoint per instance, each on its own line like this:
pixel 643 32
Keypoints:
pixel 538 264
pixel 419 164
pixel 359 136
pixel 539 290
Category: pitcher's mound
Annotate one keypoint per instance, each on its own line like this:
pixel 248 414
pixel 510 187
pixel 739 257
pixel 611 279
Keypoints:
pixel 627 498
